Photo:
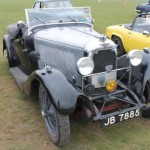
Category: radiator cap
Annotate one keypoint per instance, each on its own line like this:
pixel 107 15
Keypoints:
pixel 102 38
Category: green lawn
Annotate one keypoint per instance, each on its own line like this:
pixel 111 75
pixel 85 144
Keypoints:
pixel 21 125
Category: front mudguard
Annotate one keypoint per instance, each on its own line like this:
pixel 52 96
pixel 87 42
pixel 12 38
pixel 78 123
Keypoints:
pixel 63 95
pixel 7 45
pixel 139 74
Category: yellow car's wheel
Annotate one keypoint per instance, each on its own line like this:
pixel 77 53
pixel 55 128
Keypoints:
pixel 120 48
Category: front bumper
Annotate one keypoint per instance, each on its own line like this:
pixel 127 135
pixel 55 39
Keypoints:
pixel 103 101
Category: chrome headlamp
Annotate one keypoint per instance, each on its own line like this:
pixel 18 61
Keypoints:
pixel 135 57
pixel 85 66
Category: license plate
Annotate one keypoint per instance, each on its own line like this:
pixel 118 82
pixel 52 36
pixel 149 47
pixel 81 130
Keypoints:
pixel 104 122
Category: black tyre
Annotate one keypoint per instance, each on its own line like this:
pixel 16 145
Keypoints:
pixel 58 125
pixel 146 100
pixel 11 63
pixel 120 48
pixel 10 54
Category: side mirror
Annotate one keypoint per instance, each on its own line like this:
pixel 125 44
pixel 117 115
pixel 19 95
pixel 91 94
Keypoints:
pixel 130 27
pixel 34 56
pixel 21 24
pixel 146 33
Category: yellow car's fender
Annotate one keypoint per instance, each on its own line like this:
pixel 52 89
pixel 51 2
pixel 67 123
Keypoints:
pixel 116 31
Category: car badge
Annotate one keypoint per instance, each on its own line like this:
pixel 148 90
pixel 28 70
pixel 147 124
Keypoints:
pixel 109 68
pixel 105 44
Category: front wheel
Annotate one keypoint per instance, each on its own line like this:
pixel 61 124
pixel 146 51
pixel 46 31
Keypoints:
pixel 146 100
pixel 120 48
pixel 58 125
pixel 11 62
pixel 10 54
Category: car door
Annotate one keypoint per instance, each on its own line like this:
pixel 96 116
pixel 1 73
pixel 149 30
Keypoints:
pixel 137 40
pixel 138 36
pixel 22 54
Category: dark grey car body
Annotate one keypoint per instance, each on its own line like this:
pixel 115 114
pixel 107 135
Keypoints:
pixel 48 51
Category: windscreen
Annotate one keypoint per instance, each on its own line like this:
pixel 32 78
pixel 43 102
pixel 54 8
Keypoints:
pixel 57 15
pixel 142 24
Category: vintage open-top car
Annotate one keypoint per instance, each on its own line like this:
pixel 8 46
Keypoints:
pixel 135 35
pixel 51 4
pixel 59 56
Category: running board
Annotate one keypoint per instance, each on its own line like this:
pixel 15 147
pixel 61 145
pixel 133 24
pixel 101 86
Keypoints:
pixel 19 76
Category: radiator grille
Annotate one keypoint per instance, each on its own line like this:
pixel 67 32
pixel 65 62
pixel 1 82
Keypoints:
pixel 103 58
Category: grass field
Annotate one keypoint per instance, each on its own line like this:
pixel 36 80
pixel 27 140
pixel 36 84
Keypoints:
pixel 21 125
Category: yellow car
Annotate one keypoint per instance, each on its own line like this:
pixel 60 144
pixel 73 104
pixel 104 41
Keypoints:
pixel 131 36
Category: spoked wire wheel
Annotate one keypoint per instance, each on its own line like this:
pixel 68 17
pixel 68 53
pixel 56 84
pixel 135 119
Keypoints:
pixel 58 125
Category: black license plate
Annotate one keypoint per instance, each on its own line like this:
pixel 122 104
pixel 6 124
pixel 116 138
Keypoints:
pixel 119 117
